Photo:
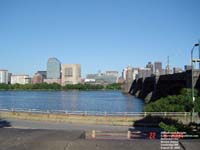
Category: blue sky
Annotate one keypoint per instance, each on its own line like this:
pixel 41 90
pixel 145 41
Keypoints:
pixel 98 34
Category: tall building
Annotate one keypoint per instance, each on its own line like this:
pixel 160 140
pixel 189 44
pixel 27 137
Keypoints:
pixel 53 68
pixel 71 74
pixel 168 70
pixel 124 72
pixel 20 79
pixel 135 73
pixel 4 76
pixel 129 74
pixel 150 66
pixel 144 72
pixel 157 68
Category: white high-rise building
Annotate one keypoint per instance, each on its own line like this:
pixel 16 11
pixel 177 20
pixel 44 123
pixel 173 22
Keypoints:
pixel 20 79
pixel 4 76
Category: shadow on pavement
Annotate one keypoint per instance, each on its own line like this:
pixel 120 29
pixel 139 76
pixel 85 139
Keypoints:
pixel 148 127
pixel 4 123
pixel 153 121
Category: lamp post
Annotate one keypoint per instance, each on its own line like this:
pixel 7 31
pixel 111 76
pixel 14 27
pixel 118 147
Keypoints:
pixel 193 61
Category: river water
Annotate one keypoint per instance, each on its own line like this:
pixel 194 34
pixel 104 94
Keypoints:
pixel 105 101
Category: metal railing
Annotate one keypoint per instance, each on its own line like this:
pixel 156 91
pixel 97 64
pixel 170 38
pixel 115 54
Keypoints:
pixel 99 113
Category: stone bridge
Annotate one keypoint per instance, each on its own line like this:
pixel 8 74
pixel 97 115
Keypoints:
pixel 152 88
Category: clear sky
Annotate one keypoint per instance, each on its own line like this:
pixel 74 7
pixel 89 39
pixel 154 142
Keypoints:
pixel 98 34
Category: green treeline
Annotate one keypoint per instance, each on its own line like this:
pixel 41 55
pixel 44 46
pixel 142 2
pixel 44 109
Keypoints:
pixel 55 86
pixel 176 103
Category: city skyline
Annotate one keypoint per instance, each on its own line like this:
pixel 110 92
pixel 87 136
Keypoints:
pixel 106 35
pixel 150 66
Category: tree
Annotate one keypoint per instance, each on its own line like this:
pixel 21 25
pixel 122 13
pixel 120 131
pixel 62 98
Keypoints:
pixel 175 103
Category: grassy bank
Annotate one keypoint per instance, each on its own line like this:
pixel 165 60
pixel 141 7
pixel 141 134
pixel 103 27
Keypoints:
pixel 69 118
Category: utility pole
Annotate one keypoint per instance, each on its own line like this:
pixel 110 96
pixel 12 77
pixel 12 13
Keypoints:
pixel 193 61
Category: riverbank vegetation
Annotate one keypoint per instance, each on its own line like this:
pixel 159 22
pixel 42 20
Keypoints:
pixel 176 103
pixel 55 86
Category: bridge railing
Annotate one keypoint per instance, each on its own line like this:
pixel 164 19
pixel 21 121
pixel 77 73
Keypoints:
pixel 100 113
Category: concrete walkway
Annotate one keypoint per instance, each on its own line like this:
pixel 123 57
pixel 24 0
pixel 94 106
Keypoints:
pixel 27 124
pixel 35 139
pixel 35 135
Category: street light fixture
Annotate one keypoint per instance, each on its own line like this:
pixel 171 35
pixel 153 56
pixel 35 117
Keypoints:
pixel 192 62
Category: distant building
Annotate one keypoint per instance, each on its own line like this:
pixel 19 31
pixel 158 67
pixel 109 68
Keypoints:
pixel 163 72
pixel 53 68
pixel 112 73
pixel 108 77
pixel 157 68
pixel 150 66
pixel 168 70
pixel 37 78
pixel 4 76
pixel 89 81
pixel 144 72
pixel 71 74
pixel 20 79
pixel 9 78
pixel 42 73
pixel 92 76
pixel 124 72
pixel 135 73
pixel 120 80
pixel 177 70
pixel 187 67
pixel 130 72
pixel 50 81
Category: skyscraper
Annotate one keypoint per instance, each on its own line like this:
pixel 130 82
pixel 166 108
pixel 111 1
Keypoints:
pixel 150 66
pixel 71 74
pixel 158 68
pixel 53 68
pixel 168 70
pixel 144 72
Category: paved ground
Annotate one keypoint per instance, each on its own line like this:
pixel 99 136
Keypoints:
pixel 27 124
pixel 27 139
pixel 23 139
pixel 62 136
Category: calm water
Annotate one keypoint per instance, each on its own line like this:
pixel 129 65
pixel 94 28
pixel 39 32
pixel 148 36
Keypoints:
pixel 109 101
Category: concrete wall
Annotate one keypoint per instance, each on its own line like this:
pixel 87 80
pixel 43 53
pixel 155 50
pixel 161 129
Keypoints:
pixel 153 88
